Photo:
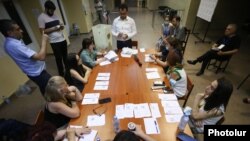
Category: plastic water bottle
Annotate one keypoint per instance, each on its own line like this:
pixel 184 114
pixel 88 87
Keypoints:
pixel 116 124
pixel 184 119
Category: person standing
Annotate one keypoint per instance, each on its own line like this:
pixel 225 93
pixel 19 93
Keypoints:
pixel 99 9
pixel 230 44
pixel 124 28
pixel 50 24
pixel 30 62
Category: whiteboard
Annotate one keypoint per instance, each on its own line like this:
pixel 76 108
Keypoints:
pixel 206 9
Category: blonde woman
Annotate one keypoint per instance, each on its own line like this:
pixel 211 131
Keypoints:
pixel 61 100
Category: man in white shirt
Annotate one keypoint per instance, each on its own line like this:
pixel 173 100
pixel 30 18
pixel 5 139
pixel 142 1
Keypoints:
pixel 123 28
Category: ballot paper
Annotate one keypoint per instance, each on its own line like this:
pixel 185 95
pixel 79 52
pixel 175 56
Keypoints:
pixel 151 126
pixel 153 75
pixel 90 98
pixel 96 120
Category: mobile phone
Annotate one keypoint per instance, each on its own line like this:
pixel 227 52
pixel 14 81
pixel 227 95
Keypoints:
pixel 185 137
pixel 104 100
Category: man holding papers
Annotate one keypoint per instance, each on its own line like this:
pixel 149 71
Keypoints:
pixel 224 48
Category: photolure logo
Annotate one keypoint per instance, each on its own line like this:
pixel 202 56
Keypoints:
pixel 234 132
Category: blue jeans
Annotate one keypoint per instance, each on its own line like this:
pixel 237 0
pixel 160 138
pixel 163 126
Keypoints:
pixel 121 44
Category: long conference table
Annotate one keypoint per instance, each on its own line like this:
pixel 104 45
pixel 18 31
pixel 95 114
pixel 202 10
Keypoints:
pixel 127 84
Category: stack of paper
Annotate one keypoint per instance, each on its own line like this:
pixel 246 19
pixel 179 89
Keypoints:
pixel 128 52
pixel 171 106
pixel 111 56
pixel 102 82
pixel 153 75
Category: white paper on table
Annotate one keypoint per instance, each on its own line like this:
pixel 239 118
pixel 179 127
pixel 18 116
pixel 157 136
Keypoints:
pixel 111 55
pixel 142 50
pixel 86 101
pixel 134 51
pixel 119 111
pixel 102 78
pixel 91 95
pixel 173 118
pixel 126 55
pixel 148 58
pixel 155 110
pixel 101 87
pixel 129 108
pixel 106 62
pixel 151 126
pixel 172 110
pixel 141 110
pixel 151 69
pixel 153 75
pixel 103 74
pixel 101 83
pixel 172 103
pixel 168 97
pixel 95 120
pixel 89 137
pixel 85 137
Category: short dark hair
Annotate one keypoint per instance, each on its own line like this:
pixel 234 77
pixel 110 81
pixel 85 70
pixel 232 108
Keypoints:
pixel 125 135
pixel 6 25
pixel 49 5
pixel 123 6
pixel 177 18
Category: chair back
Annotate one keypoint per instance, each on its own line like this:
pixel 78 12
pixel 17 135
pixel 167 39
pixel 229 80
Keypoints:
pixel 190 87
pixel 184 43
pixel 40 118
pixel 135 44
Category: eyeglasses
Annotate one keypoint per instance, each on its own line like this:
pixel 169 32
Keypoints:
pixel 100 110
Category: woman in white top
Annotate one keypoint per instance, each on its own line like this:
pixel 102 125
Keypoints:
pixel 209 107
pixel 176 74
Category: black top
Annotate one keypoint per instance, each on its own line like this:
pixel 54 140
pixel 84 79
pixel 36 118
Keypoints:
pixel 57 119
pixel 230 43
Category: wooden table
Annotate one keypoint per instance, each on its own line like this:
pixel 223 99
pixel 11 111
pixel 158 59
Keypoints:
pixel 128 84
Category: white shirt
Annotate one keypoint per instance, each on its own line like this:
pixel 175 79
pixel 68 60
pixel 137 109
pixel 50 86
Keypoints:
pixel 126 26
pixel 45 21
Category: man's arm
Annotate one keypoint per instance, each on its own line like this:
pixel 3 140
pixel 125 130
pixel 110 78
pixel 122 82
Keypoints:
pixel 42 53
pixel 133 29
pixel 114 30
pixel 231 52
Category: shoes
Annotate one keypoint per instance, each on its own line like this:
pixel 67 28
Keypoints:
pixel 246 100
pixel 192 62
pixel 199 73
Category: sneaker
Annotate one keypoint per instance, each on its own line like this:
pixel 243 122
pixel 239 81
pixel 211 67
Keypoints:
pixel 199 73
pixel 192 62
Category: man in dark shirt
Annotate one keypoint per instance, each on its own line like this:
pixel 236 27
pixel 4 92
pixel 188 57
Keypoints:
pixel 224 48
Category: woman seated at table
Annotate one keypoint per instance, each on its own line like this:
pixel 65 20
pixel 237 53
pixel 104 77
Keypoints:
pixel 209 107
pixel 173 44
pixel 136 135
pixel 61 101
pixel 176 74
pixel 88 54
pixel 77 73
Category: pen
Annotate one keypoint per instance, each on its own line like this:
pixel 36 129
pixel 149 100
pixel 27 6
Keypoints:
pixel 156 126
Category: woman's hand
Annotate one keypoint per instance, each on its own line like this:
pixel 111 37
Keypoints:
pixel 80 131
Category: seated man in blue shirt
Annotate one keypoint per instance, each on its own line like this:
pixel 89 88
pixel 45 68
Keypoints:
pixel 30 62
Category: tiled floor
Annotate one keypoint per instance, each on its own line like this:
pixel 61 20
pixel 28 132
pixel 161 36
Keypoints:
pixel 26 107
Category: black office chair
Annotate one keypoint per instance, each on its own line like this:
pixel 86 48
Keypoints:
pixel 219 64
